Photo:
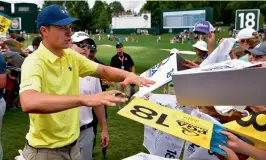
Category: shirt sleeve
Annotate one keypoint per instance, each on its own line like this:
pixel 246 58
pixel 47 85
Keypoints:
pixel 86 66
pixel 2 64
pixel 31 75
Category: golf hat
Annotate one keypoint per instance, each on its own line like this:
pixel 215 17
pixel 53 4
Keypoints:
pixel 79 36
pixel 174 51
pixel 260 49
pixel 201 45
pixel 203 27
pixel 119 45
pixel 54 15
pixel 246 33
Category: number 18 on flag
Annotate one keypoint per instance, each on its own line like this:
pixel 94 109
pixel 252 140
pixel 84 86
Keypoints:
pixel 247 18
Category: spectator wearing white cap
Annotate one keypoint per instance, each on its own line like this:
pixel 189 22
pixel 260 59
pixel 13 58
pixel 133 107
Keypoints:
pixel 201 50
pixel 81 43
pixel 248 38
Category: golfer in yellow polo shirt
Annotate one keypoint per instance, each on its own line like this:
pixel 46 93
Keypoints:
pixel 49 89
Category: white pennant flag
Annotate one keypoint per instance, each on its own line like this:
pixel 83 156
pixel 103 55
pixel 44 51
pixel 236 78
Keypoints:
pixel 221 53
pixel 161 73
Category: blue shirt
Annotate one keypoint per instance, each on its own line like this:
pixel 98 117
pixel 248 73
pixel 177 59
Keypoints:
pixel 2 69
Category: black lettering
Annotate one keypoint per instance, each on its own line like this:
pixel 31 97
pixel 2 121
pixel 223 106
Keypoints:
pixel 143 114
pixel 2 27
pixel 181 123
pixel 189 132
pixel 161 120
pixel 194 145
pixel 170 154
pixel 253 121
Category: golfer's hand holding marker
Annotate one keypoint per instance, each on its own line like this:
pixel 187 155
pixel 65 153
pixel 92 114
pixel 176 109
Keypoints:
pixel 110 98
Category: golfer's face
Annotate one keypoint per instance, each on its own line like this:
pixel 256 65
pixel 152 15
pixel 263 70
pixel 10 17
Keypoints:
pixel 60 36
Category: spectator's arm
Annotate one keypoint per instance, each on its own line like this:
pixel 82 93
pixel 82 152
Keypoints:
pixel 211 42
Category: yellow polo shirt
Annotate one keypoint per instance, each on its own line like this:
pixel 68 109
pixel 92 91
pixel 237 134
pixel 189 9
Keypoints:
pixel 46 73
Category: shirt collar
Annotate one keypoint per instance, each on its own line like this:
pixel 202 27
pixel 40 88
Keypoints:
pixel 45 53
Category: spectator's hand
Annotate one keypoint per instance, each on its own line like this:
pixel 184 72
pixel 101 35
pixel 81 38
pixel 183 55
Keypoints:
pixel 107 98
pixel 189 64
pixel 231 155
pixel 233 142
pixel 135 79
pixel 105 138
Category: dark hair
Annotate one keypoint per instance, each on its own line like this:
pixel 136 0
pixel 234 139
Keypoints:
pixel 20 39
pixel 36 41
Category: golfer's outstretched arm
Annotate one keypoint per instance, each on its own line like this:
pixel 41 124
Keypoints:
pixel 117 75
pixel 35 102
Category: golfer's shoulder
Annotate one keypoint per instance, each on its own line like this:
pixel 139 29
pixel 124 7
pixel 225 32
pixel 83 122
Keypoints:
pixel 32 59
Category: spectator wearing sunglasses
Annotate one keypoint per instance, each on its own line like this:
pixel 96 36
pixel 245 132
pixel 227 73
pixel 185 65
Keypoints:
pixel 104 85
pixel 89 85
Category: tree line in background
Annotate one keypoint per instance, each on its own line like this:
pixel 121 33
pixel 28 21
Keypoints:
pixel 100 15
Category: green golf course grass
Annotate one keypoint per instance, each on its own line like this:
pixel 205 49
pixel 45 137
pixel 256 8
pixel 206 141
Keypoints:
pixel 126 136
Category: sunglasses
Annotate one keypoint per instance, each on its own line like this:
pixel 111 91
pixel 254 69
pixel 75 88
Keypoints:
pixel 83 45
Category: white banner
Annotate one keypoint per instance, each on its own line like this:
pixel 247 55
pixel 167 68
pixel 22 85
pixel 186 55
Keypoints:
pixel 160 143
pixel 160 73
pixel 221 53
pixel 144 156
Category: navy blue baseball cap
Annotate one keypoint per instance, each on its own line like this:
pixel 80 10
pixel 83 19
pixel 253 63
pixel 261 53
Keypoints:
pixel 54 15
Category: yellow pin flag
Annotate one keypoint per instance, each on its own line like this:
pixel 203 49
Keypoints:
pixel 5 22
pixel 179 124
pixel 198 131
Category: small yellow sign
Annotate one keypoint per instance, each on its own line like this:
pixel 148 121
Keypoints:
pixel 179 124
pixel 4 24
pixel 190 128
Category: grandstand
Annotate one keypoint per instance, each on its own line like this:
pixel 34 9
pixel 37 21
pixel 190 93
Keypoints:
pixel 133 23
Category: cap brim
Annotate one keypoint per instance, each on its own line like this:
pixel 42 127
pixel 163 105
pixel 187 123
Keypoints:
pixel 80 39
pixel 200 48
pixel 256 52
pixel 65 22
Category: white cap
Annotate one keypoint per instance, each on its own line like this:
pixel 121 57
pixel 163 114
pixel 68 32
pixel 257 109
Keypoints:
pixel 174 51
pixel 246 33
pixel 79 36
pixel 201 45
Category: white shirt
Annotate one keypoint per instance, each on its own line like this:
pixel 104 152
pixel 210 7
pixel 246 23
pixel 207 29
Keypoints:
pixel 87 85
